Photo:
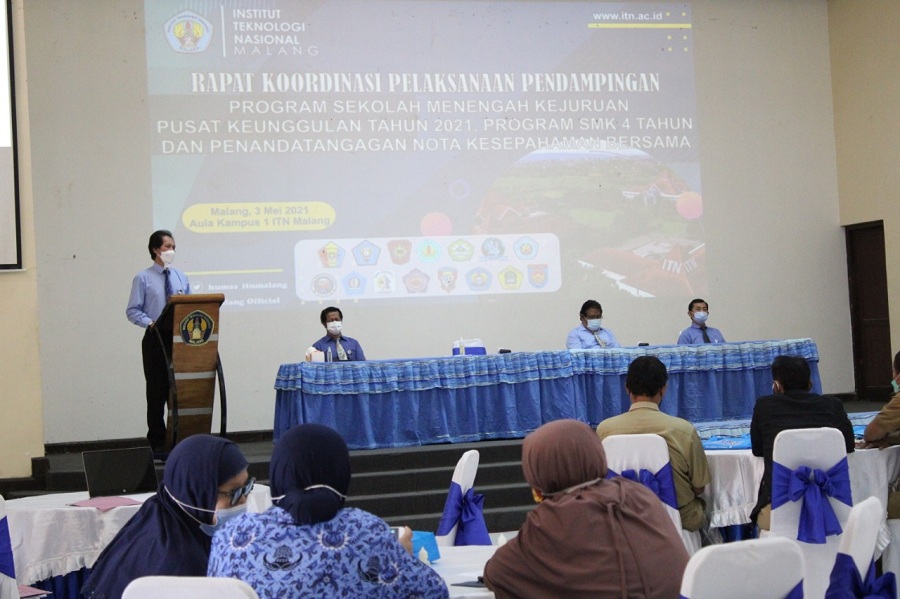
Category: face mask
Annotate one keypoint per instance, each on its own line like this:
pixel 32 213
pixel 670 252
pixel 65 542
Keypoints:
pixel 701 317
pixel 895 385
pixel 593 324
pixel 223 516
pixel 334 327
pixel 167 257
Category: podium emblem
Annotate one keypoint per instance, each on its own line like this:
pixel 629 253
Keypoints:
pixel 196 328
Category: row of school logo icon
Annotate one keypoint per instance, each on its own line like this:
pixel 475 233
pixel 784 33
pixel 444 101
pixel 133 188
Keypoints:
pixel 387 282
pixel 401 251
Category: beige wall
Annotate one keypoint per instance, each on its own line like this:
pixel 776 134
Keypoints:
pixel 865 60
pixel 21 426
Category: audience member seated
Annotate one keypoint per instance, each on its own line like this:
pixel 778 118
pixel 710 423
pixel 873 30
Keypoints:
pixel 308 544
pixel 335 345
pixel 205 482
pixel 646 386
pixel 589 536
pixel 790 406
pixel 590 335
pixel 881 432
pixel 698 333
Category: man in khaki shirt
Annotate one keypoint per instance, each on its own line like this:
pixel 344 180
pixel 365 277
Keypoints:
pixel 887 421
pixel 881 432
pixel 646 386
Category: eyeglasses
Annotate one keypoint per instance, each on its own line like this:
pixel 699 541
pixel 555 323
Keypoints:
pixel 236 494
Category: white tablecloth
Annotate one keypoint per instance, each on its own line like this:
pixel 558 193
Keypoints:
pixel 735 477
pixel 464 564
pixel 52 538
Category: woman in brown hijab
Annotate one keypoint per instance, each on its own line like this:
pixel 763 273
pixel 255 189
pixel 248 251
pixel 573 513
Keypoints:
pixel 588 537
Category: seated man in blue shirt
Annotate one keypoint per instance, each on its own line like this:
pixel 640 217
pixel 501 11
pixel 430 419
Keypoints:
pixel 334 345
pixel 698 333
pixel 589 335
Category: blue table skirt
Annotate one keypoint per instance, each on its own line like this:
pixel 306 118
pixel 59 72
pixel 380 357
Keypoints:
pixel 67 586
pixel 398 403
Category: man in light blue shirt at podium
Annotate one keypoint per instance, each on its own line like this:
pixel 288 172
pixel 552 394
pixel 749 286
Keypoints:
pixel 150 292
pixel 590 335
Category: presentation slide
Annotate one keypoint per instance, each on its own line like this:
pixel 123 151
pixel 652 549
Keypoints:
pixel 373 150
pixel 10 254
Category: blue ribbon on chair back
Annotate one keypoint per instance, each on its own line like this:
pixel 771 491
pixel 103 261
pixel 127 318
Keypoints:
pixel 467 512
pixel 813 487
pixel 661 483
pixel 846 583
pixel 794 593
pixel 7 566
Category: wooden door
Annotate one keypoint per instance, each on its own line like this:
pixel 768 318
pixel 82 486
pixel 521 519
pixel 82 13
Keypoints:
pixel 869 319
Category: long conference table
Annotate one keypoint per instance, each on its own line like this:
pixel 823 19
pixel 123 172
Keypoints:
pixel 402 403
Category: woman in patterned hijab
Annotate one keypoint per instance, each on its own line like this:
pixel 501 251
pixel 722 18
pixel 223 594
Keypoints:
pixel 308 544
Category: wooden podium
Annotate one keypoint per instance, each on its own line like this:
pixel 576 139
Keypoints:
pixel 188 330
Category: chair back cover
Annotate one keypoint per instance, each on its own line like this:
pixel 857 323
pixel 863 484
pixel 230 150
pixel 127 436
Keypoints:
pixel 195 587
pixel 861 532
pixel 8 587
pixel 821 451
pixel 641 452
pixel 462 522
pixel 853 574
pixel 772 567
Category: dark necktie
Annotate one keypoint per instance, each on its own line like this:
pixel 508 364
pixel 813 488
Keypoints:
pixel 169 291
pixel 705 335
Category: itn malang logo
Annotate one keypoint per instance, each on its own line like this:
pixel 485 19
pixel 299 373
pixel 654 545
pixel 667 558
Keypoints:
pixel 188 33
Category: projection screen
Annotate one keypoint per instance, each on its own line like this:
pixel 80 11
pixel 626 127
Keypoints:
pixel 431 151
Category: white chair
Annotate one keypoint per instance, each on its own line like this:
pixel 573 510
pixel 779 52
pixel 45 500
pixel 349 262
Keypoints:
pixel 771 567
pixel 188 587
pixel 647 452
pixel 821 450
pixel 462 481
pixel 8 587
pixel 857 547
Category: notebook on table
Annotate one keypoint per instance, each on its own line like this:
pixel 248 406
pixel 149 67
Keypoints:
pixel 119 471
